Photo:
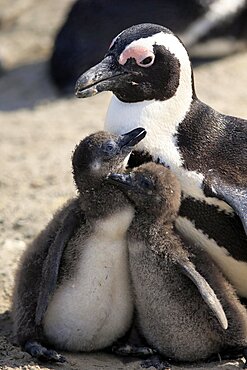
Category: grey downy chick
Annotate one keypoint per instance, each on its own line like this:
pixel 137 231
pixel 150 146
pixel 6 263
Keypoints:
pixel 186 309
pixel 72 288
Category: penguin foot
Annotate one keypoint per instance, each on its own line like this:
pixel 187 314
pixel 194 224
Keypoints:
pixel 156 362
pixel 38 351
pixel 132 350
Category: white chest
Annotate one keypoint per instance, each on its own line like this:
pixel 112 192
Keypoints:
pixel 95 308
pixel 161 120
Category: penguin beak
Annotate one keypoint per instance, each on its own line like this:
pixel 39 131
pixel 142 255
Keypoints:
pixel 101 77
pixel 123 181
pixel 131 138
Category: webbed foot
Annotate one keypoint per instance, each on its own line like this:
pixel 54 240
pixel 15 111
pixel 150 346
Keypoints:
pixel 132 350
pixel 156 362
pixel 36 350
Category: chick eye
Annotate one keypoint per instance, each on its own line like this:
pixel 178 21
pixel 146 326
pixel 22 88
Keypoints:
pixel 146 62
pixel 110 148
pixel 147 183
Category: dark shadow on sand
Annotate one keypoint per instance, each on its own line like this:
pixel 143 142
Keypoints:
pixel 25 87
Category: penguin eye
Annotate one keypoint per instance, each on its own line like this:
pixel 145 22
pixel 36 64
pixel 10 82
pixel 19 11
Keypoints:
pixel 110 148
pixel 146 183
pixel 146 62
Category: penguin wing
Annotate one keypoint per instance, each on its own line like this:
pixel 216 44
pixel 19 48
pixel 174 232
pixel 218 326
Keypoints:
pixel 206 291
pixel 234 195
pixel 71 221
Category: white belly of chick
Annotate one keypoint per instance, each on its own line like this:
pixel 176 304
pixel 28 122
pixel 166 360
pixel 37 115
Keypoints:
pixel 95 308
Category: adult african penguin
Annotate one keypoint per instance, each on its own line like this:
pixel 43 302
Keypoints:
pixel 149 72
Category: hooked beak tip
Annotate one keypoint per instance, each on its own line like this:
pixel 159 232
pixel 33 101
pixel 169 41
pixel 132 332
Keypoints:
pixel 87 92
pixel 132 138
pixel 94 80
pixel 85 87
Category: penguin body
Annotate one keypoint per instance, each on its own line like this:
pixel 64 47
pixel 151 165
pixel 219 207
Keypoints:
pixel 149 71
pixel 102 308
pixel 186 309
pixel 81 297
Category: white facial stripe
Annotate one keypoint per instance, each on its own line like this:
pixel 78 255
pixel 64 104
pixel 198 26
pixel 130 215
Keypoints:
pixel 114 40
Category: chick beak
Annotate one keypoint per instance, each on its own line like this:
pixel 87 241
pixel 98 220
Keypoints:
pixel 131 138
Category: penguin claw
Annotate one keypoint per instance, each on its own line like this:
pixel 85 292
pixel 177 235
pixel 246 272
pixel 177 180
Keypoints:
pixel 132 350
pixel 41 353
pixel 155 362
pixel 52 355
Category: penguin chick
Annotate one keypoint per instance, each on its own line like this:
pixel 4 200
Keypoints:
pixel 186 309
pixel 149 72
pixel 72 289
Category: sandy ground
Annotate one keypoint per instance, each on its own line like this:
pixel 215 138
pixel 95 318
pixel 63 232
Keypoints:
pixel 38 133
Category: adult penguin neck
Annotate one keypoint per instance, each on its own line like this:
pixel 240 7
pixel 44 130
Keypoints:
pixel 161 119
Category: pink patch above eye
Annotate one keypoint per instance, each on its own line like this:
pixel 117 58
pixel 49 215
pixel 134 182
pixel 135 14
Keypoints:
pixel 139 53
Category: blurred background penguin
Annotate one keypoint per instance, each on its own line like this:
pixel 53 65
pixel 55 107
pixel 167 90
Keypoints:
pixel 84 37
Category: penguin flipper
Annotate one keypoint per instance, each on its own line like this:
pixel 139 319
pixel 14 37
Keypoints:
pixel 69 225
pixel 235 196
pixel 206 292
